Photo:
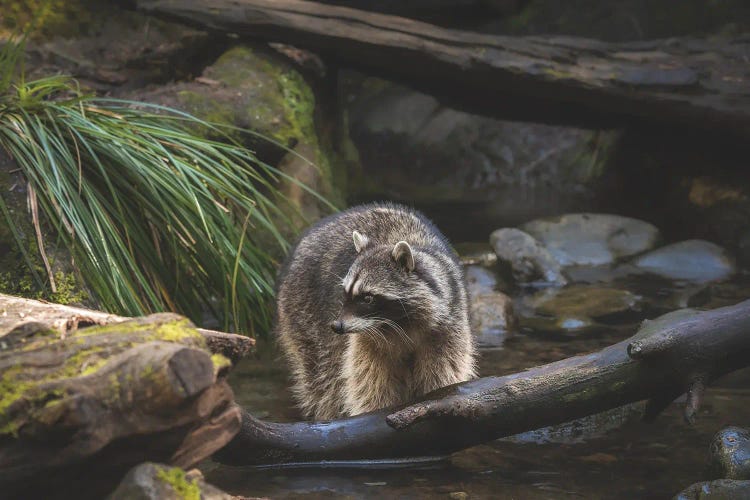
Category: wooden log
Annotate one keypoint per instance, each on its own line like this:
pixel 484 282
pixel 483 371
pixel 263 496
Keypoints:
pixel 690 83
pixel 661 361
pixel 16 311
pixel 82 408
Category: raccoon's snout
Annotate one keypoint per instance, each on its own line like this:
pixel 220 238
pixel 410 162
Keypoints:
pixel 338 327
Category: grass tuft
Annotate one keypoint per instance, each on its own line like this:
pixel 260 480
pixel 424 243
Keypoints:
pixel 156 215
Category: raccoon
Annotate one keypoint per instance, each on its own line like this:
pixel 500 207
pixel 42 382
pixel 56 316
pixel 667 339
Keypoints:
pixel 372 311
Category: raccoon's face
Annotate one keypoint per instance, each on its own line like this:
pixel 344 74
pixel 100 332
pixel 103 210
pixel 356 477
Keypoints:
pixel 381 292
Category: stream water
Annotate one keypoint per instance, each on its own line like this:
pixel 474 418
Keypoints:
pixel 610 455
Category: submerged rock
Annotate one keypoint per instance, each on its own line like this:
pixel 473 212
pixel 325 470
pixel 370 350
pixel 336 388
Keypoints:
pixel 152 481
pixel 479 280
pixel 479 254
pixel 692 260
pixel 528 259
pixel 721 489
pixel 592 239
pixel 492 318
pixel 730 453
pixel 585 302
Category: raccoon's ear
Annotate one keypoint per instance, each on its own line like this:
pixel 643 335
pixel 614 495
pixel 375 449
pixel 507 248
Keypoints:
pixel 360 241
pixel 403 255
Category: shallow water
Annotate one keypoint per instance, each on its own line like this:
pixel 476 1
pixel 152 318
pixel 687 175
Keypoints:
pixel 611 455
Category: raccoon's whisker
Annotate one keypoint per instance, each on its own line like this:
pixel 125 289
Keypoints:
pixel 401 303
pixel 396 328
pixel 377 335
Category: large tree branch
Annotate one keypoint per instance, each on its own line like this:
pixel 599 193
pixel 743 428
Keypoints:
pixel 685 82
pixel 668 356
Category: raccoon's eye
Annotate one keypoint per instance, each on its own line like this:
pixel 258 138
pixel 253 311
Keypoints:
pixel 368 298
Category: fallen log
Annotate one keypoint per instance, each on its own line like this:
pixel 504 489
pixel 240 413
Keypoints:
pixel 689 83
pixel 678 352
pixel 82 407
pixel 15 311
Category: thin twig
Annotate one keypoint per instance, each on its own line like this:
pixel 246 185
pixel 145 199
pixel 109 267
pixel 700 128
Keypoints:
pixel 34 207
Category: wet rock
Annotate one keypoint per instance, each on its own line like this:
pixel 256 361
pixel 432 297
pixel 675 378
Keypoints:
pixel 479 254
pixel 413 148
pixel 528 259
pixel 479 280
pixel 458 495
pixel 152 481
pixel 730 453
pixel 579 303
pixel 492 318
pixel 563 325
pixel 592 239
pixel 721 489
pixel 692 260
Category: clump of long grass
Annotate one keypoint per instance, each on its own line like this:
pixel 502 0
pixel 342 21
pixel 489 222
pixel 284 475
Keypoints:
pixel 155 216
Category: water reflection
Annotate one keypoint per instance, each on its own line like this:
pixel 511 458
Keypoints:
pixel 610 455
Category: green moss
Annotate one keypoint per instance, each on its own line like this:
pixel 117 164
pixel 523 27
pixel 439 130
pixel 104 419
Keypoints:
pixel 262 92
pixel 15 386
pixel 220 362
pixel 175 477
pixel 51 17
pixel 24 274
pixel 176 331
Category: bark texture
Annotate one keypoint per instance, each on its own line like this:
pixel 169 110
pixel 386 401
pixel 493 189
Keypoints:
pixel 675 353
pixel 690 83
pixel 81 406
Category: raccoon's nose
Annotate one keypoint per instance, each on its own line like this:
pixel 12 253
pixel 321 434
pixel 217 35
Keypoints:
pixel 337 326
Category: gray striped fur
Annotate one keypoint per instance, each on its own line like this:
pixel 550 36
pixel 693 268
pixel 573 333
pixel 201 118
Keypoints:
pixel 412 337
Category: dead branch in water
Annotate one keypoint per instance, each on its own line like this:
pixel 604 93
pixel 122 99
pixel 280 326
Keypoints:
pixel 678 352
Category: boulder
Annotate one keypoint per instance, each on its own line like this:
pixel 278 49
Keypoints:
pixel 253 88
pixel 730 453
pixel 592 239
pixel 528 259
pixel 692 260
pixel 501 172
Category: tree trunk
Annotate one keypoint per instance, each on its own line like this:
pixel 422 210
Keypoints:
pixel 678 352
pixel 81 406
pixel 691 83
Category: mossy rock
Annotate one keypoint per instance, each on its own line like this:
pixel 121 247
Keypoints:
pixel 50 17
pixel 158 481
pixel 252 88
pixel 22 269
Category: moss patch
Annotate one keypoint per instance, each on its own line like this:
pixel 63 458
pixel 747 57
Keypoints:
pixel 23 273
pixel 22 393
pixel 260 91
pixel 52 17
pixel 175 478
